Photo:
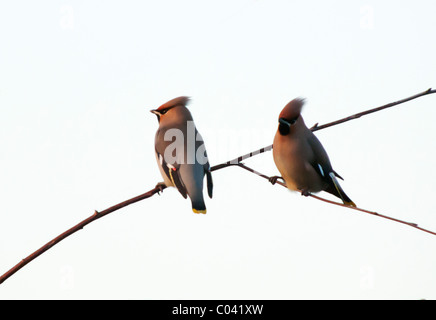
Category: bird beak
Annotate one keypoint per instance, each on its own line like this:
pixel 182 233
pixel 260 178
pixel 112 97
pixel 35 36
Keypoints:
pixel 283 121
pixel 157 113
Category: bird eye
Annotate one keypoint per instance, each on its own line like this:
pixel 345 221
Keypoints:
pixel 292 121
pixel 164 111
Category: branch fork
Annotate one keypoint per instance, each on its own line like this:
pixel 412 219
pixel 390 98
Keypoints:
pixel 235 162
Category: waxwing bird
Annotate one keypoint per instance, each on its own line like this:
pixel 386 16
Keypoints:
pixel 301 158
pixel 181 153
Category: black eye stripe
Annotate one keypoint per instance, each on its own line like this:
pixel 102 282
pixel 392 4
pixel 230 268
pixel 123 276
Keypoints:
pixel 291 121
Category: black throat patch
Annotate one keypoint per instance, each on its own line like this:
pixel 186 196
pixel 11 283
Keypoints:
pixel 284 129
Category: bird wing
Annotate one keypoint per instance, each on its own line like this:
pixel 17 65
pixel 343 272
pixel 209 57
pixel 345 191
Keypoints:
pixel 337 175
pixel 209 183
pixel 172 172
pixel 207 172
pixel 320 162
pixel 209 180
pixel 323 166
pixel 171 169
pixel 338 191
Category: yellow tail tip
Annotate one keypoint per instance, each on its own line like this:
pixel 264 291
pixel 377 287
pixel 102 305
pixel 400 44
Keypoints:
pixel 199 211
pixel 350 203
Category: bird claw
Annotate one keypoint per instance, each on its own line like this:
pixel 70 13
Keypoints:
pixel 161 186
pixel 274 179
pixel 305 192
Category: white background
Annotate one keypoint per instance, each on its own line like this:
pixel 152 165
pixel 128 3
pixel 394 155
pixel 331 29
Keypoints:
pixel 77 81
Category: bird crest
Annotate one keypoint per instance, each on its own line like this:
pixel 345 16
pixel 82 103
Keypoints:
pixel 179 101
pixel 293 109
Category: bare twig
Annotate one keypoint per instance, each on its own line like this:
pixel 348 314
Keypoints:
pixel 360 114
pixel 236 161
pixel 411 224
pixel 316 127
pixel 241 158
pixel 77 227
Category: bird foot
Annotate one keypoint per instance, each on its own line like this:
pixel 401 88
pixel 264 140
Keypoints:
pixel 274 179
pixel 305 192
pixel 161 186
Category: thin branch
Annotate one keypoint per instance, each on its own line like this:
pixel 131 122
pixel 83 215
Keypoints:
pixel 235 161
pixel 410 224
pixel 316 127
pixel 77 227
pixel 364 113
pixel 241 158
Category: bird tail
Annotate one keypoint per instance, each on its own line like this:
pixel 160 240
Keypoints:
pixel 199 210
pixel 337 191
pixel 198 206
